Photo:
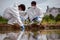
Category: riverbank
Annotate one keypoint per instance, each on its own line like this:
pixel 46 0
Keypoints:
pixel 32 32
pixel 4 28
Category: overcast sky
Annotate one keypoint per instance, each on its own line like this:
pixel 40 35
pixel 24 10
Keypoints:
pixel 42 4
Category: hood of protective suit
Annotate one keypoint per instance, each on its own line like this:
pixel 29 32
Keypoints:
pixel 15 4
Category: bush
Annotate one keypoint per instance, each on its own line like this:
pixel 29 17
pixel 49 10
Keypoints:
pixel 3 20
pixel 57 18
pixel 49 19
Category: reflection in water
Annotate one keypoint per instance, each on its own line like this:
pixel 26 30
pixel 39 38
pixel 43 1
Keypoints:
pixel 20 35
pixel 30 36
pixel 41 37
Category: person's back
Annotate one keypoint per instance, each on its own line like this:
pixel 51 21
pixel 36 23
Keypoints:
pixel 6 14
pixel 10 15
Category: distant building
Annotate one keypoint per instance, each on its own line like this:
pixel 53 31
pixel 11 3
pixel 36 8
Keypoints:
pixel 54 11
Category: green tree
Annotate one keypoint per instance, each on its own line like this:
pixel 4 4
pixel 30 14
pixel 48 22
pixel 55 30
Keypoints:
pixel 57 18
pixel 51 17
pixel 46 18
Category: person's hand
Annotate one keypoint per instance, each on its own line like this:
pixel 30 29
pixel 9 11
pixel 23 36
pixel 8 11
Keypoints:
pixel 35 19
pixel 23 28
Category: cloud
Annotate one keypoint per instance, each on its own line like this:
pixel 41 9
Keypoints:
pixel 50 3
pixel 40 3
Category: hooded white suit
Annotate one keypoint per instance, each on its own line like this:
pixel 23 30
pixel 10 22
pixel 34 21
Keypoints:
pixel 12 14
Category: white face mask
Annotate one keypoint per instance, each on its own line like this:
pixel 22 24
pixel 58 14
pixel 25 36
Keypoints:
pixel 21 12
pixel 33 7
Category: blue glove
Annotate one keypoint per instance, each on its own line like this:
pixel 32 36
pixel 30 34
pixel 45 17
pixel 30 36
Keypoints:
pixel 23 28
pixel 35 19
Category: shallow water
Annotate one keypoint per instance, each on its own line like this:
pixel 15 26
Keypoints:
pixel 25 36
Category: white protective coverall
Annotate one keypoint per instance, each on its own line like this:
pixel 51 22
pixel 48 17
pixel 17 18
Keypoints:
pixel 32 13
pixel 12 14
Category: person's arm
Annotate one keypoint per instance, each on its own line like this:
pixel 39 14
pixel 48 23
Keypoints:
pixel 29 13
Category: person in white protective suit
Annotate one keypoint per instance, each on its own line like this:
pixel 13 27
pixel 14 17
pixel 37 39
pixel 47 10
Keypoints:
pixel 13 15
pixel 34 13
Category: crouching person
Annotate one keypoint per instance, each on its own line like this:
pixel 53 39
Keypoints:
pixel 34 13
pixel 13 16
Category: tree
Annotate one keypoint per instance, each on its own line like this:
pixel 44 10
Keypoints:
pixel 51 17
pixel 57 18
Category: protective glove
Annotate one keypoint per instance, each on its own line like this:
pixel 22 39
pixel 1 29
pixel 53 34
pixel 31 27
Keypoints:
pixel 23 28
pixel 36 18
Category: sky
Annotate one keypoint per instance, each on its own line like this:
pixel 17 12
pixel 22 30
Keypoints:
pixel 42 4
